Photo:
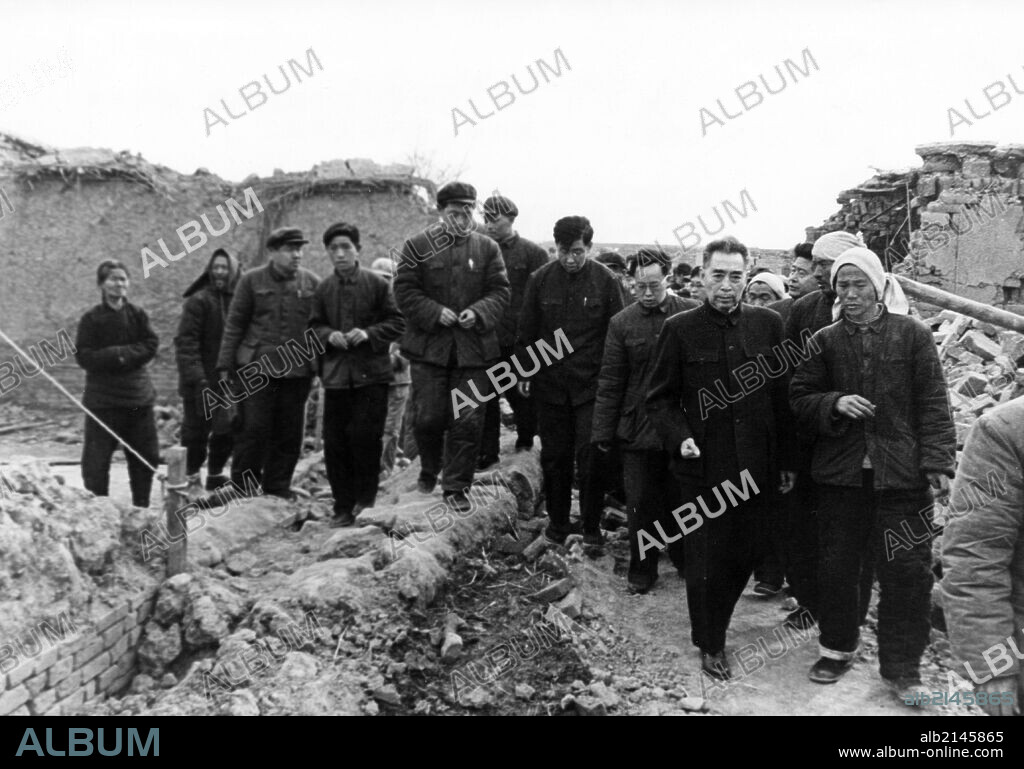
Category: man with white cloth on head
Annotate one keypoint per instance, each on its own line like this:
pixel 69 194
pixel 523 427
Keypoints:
pixel 874 395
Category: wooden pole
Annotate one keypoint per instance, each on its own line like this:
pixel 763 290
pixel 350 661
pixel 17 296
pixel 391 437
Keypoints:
pixel 318 439
pixel 177 554
pixel 968 307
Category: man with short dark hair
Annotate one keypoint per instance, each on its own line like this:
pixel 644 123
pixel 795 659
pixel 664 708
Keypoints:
pixel 874 396
pixel 267 348
pixel 621 418
pixel 355 317
pixel 697 284
pixel 800 281
pixel 522 258
pixel 723 420
pixel 452 288
pixel 576 297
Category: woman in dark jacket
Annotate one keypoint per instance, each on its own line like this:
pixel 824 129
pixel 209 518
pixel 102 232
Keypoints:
pixel 114 344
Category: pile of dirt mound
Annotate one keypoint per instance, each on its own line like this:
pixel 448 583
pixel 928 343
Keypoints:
pixel 63 550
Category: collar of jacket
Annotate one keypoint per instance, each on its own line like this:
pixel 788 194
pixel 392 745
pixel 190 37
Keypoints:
pixel 351 277
pixel 510 241
pixel 875 326
pixel 721 319
pixel 278 275
pixel 662 308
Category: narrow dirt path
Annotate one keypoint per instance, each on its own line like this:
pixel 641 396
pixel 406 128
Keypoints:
pixel 654 632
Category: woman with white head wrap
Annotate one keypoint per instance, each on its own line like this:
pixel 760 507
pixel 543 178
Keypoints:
pixel 888 291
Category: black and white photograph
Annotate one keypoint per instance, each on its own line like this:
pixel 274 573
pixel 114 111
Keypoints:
pixel 512 359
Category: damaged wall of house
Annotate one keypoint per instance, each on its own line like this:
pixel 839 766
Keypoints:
pixel 957 222
pixel 74 208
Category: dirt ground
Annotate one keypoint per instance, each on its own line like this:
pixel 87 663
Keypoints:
pixel 625 655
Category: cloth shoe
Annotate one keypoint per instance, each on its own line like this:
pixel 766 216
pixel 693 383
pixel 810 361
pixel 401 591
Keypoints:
pixel 828 671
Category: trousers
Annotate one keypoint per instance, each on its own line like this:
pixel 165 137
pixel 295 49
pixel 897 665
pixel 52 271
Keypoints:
pixel 353 438
pixel 137 428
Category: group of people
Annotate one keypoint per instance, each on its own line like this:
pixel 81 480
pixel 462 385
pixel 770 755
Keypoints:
pixel 758 426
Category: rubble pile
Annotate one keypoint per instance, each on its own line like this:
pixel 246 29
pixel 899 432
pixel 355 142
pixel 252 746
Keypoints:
pixel 62 549
pixel 984 366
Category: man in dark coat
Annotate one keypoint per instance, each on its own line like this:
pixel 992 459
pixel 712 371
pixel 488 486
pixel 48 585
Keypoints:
pixel 620 415
pixel 452 288
pixel 355 318
pixel 522 258
pixel 197 346
pixel 114 343
pixel 875 398
pixel 267 341
pixel 718 402
pixel 573 297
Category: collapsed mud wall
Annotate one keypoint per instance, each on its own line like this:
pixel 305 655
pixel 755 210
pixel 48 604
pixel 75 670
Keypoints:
pixel 957 222
pixel 74 208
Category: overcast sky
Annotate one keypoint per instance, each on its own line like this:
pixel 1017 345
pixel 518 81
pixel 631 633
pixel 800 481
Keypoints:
pixel 618 137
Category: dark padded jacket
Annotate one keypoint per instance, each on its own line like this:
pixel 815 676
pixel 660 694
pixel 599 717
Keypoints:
pixel 457 272
pixel 581 305
pixel 114 346
pixel 711 381
pixel 361 300
pixel 269 316
pixel 619 410
pixel 912 431
pixel 197 343
pixel 522 258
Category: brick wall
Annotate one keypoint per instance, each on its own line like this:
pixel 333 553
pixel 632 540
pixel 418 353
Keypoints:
pixel 97 662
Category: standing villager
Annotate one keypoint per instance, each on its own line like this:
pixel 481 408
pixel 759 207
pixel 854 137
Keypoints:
pixel 620 416
pixel 355 318
pixel 800 281
pixel 765 288
pixel 398 389
pixel 875 399
pixel 983 559
pixel 616 264
pixel 577 298
pixel 114 343
pixel 793 554
pixel 522 258
pixel 722 436
pixel 197 346
pixel 266 342
pixel 453 291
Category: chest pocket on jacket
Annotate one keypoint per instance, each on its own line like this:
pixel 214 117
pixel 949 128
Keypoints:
pixel 639 351
pixel 701 369
pixel 264 303
pixel 437 277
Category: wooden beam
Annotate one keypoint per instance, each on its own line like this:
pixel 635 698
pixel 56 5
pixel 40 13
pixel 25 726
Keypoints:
pixel 968 307
pixel 177 553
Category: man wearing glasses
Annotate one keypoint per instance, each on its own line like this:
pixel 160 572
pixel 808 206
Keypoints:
pixel 522 258
pixel 620 416
pixel 724 422
pixel 577 297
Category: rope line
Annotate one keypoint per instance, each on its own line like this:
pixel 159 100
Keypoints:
pixel 160 476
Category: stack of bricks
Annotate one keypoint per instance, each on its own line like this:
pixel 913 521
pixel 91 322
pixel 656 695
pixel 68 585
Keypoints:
pixel 878 210
pixel 101 661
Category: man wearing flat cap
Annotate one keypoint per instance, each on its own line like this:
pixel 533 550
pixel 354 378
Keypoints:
pixel 616 264
pixel 522 258
pixel 452 287
pixel 271 359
